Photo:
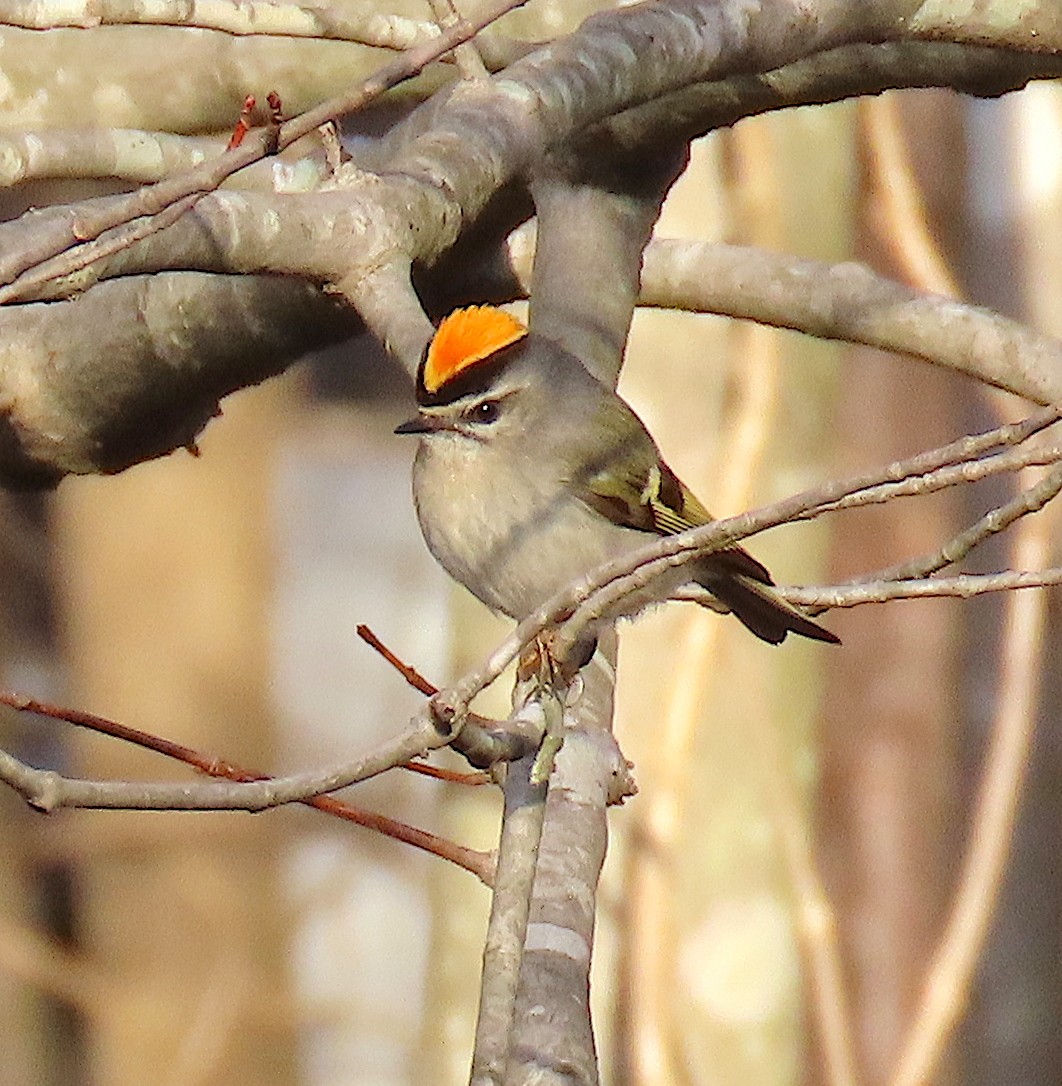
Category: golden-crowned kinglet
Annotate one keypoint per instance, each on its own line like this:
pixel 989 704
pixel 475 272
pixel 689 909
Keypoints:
pixel 531 472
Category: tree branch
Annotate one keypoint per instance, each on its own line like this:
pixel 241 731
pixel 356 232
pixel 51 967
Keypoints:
pixel 851 303
pixel 54 234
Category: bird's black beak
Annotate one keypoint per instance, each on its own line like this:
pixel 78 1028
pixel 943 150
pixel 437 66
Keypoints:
pixel 419 424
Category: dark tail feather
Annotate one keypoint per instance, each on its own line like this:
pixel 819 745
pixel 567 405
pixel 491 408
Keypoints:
pixel 768 616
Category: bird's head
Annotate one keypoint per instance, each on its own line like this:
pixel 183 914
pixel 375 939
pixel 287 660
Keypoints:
pixel 474 380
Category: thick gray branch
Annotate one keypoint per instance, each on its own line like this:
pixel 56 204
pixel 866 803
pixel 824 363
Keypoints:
pixel 552 1039
pixel 136 389
pixel 440 175
pixel 852 303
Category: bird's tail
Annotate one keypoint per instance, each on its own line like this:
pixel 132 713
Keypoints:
pixel 754 602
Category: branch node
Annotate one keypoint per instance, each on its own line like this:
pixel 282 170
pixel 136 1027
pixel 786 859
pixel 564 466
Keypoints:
pixel 447 718
pixel 46 795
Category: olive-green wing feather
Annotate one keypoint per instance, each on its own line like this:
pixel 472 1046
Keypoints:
pixel 652 498
pixel 649 497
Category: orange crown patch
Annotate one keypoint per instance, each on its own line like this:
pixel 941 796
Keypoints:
pixel 466 337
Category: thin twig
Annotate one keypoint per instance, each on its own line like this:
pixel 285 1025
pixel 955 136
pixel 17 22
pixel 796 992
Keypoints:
pixel 479 863
pixel 603 590
pixel 970 471
pixel 955 549
pixel 47 790
pixel 407 671
pixel 450 776
pixel 992 523
pixel 992 826
pixel 474 749
pixel 965 587
pixel 587 601
pixel 469 62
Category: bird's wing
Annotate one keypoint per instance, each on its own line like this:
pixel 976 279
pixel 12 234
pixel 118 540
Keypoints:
pixel 650 497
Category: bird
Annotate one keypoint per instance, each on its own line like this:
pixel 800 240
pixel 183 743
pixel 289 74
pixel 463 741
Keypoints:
pixel 530 472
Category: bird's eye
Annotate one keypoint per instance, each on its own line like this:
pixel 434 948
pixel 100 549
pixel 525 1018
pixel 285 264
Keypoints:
pixel 485 412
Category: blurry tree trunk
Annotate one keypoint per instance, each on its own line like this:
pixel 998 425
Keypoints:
pixel 166 588
pixel 22 1023
pixel 888 793
pixel 37 1016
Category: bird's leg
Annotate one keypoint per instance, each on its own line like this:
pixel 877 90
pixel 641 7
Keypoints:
pixel 539 658
pixel 554 681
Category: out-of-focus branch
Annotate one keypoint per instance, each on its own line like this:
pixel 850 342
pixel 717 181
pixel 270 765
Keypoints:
pixel 144 157
pixel 904 228
pixel 363 23
pixel 359 23
pixel 815 919
pixel 850 302
pixel 56 971
pixel 650 955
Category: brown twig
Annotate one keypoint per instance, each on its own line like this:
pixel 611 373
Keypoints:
pixel 450 776
pixel 243 125
pixel 479 863
pixel 418 682
pixel 409 673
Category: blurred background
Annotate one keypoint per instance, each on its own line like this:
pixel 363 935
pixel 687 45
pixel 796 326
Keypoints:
pixel 214 601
